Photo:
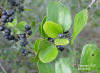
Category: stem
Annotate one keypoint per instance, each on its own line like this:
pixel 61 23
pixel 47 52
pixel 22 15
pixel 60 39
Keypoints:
pixel 92 2
pixel 3 68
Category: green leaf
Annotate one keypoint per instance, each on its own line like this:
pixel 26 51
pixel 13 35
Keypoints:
pixel 36 46
pixel 16 31
pixel 41 27
pixel 59 14
pixel 52 29
pixel 48 52
pixel 45 67
pixel 62 41
pixel 13 23
pixel 80 21
pixel 98 71
pixel 63 65
pixel 21 25
pixel 90 58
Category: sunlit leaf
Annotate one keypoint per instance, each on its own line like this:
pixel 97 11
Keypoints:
pixel 52 29
pixel 90 58
pixel 61 41
pixel 59 14
pixel 48 52
pixel 80 21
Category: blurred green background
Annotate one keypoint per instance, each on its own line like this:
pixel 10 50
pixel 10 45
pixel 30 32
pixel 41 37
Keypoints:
pixel 34 10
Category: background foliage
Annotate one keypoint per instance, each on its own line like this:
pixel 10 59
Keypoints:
pixel 10 56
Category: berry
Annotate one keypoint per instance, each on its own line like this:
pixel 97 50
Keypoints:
pixel 24 42
pixel 61 35
pixel 11 37
pixel 4 12
pixel 10 12
pixel 66 32
pixel 4 18
pixel 21 8
pixel 29 32
pixel 51 39
pixel 27 27
pixel 23 36
pixel 60 47
pixel 2 28
pixel 14 3
pixel 7 31
pixel 10 19
pixel 24 52
pixel 6 34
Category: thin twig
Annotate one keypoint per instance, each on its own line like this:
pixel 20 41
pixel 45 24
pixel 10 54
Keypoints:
pixel 92 2
pixel 3 68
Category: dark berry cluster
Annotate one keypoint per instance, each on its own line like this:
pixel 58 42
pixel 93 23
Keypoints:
pixel 7 33
pixel 7 16
pixel 17 5
pixel 25 52
pixel 66 34
pixel 23 38
pixel 28 30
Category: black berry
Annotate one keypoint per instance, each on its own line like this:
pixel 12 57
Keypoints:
pixel 60 47
pixel 11 37
pixel 61 35
pixel 29 32
pixel 24 42
pixel 10 12
pixel 14 3
pixel 23 36
pixel 27 27
pixel 24 52
pixel 4 12
pixel 4 18
pixel 21 8
pixel 51 39
pixel 66 32
pixel 2 28
pixel 7 31
pixel 10 19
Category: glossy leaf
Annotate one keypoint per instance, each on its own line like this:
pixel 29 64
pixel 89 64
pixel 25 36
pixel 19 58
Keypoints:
pixel 59 14
pixel 41 27
pixel 80 21
pixel 52 29
pixel 45 68
pixel 63 65
pixel 61 41
pixel 48 52
pixel 90 58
